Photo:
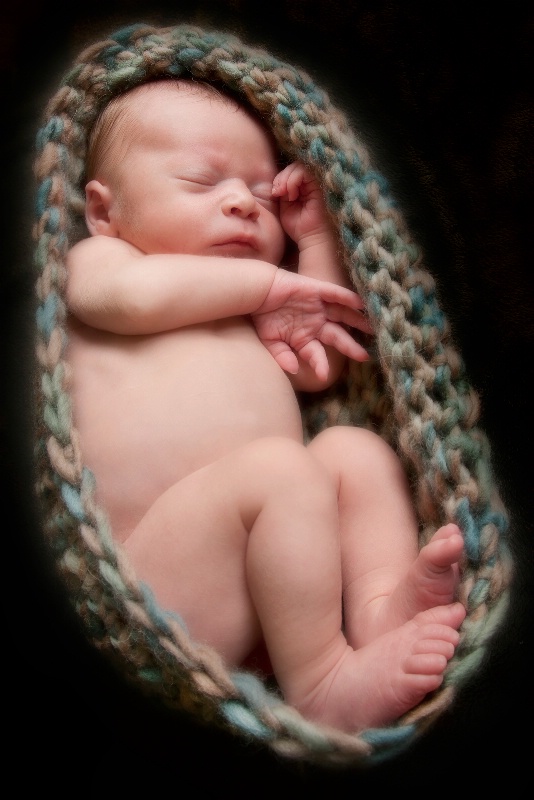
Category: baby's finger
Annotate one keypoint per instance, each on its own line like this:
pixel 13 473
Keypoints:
pixel 280 181
pixel 333 293
pixel 336 336
pixel 284 356
pixel 348 316
pixel 295 179
pixel 313 353
pixel 287 182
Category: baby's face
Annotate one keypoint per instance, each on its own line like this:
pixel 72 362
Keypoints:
pixel 196 177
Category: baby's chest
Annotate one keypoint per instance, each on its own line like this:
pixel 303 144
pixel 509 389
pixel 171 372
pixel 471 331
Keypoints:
pixel 184 385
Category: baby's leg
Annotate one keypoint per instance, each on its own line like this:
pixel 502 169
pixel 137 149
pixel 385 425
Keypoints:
pixel 380 682
pixel 386 580
pixel 253 539
pixel 255 534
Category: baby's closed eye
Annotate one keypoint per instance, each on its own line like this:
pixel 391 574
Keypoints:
pixel 196 180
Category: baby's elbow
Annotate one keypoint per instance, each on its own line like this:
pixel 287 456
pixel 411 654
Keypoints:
pixel 102 309
pixel 79 300
pixel 142 308
pixel 129 313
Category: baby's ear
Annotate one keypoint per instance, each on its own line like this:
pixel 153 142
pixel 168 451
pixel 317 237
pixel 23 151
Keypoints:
pixel 98 199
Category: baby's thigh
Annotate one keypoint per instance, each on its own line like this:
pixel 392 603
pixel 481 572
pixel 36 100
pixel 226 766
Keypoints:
pixel 190 548
pixel 191 545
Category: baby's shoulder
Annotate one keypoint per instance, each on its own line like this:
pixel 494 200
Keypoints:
pixel 101 247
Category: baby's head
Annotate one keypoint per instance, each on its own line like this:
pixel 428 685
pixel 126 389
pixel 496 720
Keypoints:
pixel 178 167
pixel 120 119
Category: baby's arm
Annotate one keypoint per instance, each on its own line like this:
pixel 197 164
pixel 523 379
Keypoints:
pixel 305 219
pixel 113 286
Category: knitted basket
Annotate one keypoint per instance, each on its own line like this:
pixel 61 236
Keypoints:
pixel 414 393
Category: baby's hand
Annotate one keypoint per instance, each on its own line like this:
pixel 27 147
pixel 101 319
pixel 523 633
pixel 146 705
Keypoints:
pixel 301 315
pixel 302 208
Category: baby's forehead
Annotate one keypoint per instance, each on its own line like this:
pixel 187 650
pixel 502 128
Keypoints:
pixel 150 115
pixel 165 91
pixel 146 106
pixel 156 112
pixel 196 104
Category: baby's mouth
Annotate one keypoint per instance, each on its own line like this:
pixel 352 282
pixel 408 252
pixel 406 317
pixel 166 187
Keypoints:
pixel 238 245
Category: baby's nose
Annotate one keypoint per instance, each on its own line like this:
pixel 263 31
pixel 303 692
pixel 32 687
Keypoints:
pixel 239 200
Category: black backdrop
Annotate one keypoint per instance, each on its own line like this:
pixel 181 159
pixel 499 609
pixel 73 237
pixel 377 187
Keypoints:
pixel 443 96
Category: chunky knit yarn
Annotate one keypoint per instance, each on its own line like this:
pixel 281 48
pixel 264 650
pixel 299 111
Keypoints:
pixel 415 393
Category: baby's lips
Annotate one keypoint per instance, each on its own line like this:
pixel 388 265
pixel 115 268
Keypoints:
pixel 240 238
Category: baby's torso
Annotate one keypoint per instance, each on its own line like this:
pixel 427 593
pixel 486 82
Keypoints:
pixel 152 409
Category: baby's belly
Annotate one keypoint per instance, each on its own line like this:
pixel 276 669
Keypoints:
pixel 151 410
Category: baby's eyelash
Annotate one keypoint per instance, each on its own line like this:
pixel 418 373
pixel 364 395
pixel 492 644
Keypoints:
pixel 201 180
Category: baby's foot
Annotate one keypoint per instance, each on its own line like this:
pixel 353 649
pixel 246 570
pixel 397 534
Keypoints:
pixel 429 582
pixel 383 680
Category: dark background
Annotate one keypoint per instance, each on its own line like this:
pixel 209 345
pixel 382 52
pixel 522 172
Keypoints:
pixel 443 96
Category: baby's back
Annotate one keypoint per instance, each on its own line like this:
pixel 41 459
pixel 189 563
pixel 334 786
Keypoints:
pixel 152 409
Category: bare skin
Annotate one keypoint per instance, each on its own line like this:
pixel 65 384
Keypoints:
pixel 187 343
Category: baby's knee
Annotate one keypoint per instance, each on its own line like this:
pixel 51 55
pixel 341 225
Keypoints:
pixel 291 468
pixel 356 449
pixel 347 438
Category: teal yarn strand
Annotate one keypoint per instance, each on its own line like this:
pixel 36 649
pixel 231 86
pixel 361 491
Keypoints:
pixel 416 393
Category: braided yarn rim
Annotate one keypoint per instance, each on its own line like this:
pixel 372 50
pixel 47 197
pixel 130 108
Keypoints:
pixel 415 393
